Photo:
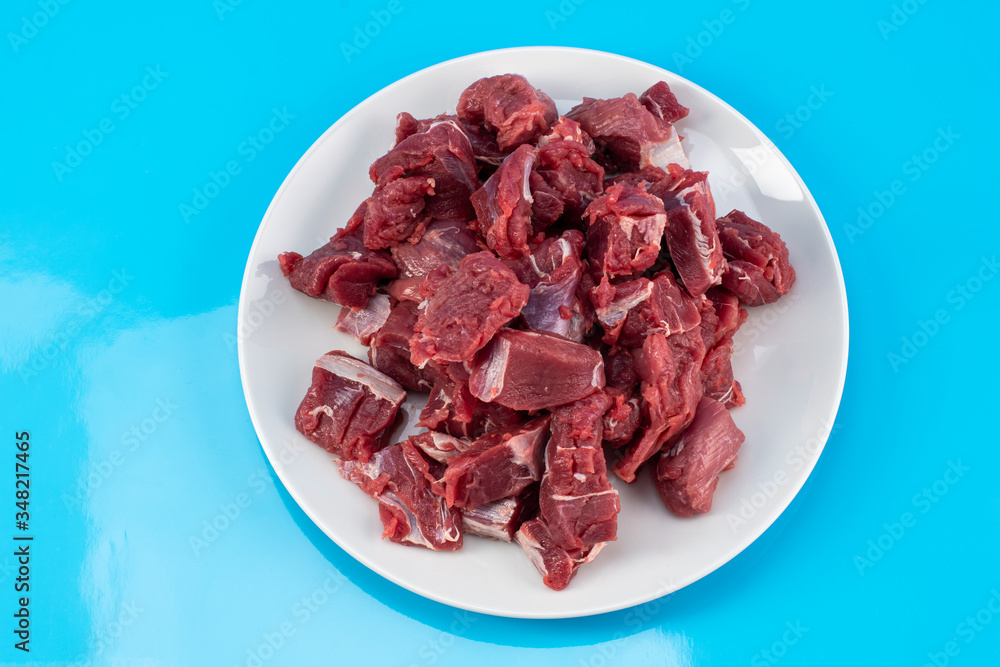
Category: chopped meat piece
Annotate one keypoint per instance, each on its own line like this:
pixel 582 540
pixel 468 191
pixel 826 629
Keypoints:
pixel 500 519
pixel 687 474
pixel 509 106
pixel 349 406
pixel 364 324
pixel 622 420
pixel 410 512
pixel 389 351
pixel 619 369
pixel 532 370
pixel 662 103
pixel 578 507
pixel 503 205
pixel 717 376
pixel 498 465
pixel 546 204
pixel 443 242
pixel 343 271
pixel 758 271
pixel 485 417
pixel 466 309
pixel 670 382
pixel 691 235
pixel 570 173
pixel 552 272
pixel 624 232
pixel 721 316
pixel 483 142
pixel 396 212
pixel 443 154
pixel 632 310
pixel 556 565
pixel 450 401
pixel 631 136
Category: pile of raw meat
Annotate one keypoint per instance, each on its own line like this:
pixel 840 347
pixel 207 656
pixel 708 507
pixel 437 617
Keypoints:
pixel 562 289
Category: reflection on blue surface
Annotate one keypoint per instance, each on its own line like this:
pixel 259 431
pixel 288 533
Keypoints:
pixel 162 536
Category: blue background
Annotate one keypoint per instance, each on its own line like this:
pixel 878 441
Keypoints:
pixel 118 314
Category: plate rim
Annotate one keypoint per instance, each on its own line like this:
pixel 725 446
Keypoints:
pixel 739 545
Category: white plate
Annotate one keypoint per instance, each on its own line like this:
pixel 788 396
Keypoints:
pixel 791 356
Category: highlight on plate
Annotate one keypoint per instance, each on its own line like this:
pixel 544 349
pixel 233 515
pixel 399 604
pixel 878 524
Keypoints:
pixel 560 287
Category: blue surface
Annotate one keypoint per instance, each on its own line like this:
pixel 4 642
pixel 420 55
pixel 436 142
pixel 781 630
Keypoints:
pixel 119 309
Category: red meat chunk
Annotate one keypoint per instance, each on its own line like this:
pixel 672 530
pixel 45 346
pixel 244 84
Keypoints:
pixel 343 271
pixel 632 310
pixel 552 272
pixel 532 370
pixel 662 103
pixel 629 135
pixel 389 351
pixel 503 205
pixel 758 268
pixel 443 154
pixel 571 175
pixel 410 512
pixel 500 519
pixel 443 242
pixel 687 474
pixel 508 106
pixel 624 231
pixel 396 212
pixel 670 382
pixel 466 309
pixel 498 465
pixel 624 417
pixel 364 324
pixel 349 407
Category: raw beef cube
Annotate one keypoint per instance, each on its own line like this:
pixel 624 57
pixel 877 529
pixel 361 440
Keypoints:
pixel 466 309
pixel 449 402
pixel 343 271
pixel 510 107
pixel 499 465
pixel 546 203
pixel 443 242
pixel 396 213
pixel 662 103
pixel 633 310
pixel 349 407
pixel 717 376
pixel 625 227
pixel 440 446
pixel 532 370
pixel 503 205
pixel 441 415
pixel 670 382
pixel 687 474
pixel 364 324
pixel 758 271
pixel 556 565
pixel 552 272
pixel 410 512
pixel 721 317
pixel 483 142
pixel 443 154
pixel 389 351
pixel 571 174
pixel 631 136
pixel 500 519
pixel 622 420
pixel 576 499
pixel 619 369
pixel 691 236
